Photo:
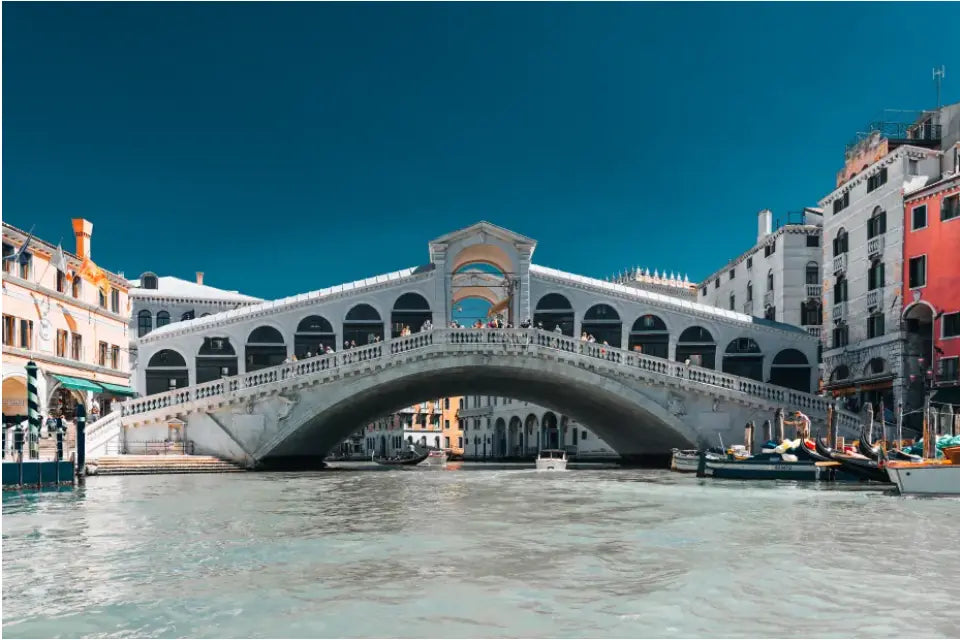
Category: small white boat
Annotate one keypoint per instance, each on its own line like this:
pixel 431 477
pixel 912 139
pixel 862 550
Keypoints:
pixel 436 458
pixel 939 477
pixel 687 460
pixel 552 460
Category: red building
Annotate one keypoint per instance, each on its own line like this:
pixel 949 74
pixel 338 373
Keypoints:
pixel 931 277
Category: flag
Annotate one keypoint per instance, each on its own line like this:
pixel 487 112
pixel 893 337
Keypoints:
pixel 60 260
pixel 94 274
pixel 20 255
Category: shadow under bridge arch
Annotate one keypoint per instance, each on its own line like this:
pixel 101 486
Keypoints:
pixel 629 419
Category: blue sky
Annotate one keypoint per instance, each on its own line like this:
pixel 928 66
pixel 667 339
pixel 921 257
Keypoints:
pixel 281 148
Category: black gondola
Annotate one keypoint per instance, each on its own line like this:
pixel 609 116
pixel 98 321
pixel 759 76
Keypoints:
pixel 866 449
pixel 403 461
pixel 816 454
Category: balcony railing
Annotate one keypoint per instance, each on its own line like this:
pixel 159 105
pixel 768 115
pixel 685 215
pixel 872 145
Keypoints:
pixel 748 307
pixel 875 246
pixel 768 299
pixel 840 263
pixel 840 312
pixel 814 291
pixel 814 331
pixel 875 298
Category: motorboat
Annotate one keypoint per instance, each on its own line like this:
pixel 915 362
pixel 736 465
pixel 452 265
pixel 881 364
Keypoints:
pixel 552 460
pixel 764 466
pixel 436 458
pixel 686 460
pixel 938 477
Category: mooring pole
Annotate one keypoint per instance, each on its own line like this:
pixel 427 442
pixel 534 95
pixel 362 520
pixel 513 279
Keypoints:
pixel 781 435
pixel 81 440
pixel 33 410
pixel 748 437
pixel 831 420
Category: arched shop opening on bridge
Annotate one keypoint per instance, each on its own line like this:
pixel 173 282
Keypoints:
pixel 791 369
pixel 314 335
pixel 603 323
pixel 743 358
pixel 362 325
pixel 649 336
pixel 480 291
pixel 166 370
pixel 216 359
pixel 265 348
pixel 411 311
pixel 554 310
pixel 696 343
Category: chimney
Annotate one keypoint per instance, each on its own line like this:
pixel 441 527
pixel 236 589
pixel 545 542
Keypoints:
pixel 764 224
pixel 82 229
pixel 199 277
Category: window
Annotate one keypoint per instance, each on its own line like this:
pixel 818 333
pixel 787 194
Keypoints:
pixel 703 292
pixel 9 329
pixel 770 280
pixel 163 319
pixel 144 323
pixel 716 283
pixel 461 403
pixel 733 273
pixel 749 292
pixel 810 314
pixel 813 272
pixel 840 290
pixel 8 250
pixel 101 299
pixel 102 354
pixel 459 443
pixel 951 324
pixel 77 285
pixel 583 435
pixel 61 281
pixel 446 404
pixel 770 248
pixel 840 336
pixel 842 202
pixel 877 179
pixel 875 275
pixel 733 302
pixel 446 425
pixel 875 325
pixel 76 346
pixel 912 167
pixel 26 334
pixel 877 224
pixel 149 281
pixel 950 207
pixel 770 313
pixel 61 343
pixel 948 369
pixel 813 241
pixel 115 300
pixel 919 218
pixel 114 357
pixel 918 272
pixel 26 260
pixel 840 244
pixel 750 262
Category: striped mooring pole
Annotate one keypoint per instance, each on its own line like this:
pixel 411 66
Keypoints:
pixel 33 410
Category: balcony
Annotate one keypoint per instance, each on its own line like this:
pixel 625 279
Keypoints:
pixel 814 331
pixel 875 299
pixel 814 291
pixel 748 307
pixel 840 263
pixel 840 312
pixel 768 299
pixel 874 246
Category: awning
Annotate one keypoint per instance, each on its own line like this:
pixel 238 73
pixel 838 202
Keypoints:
pixel 950 395
pixel 79 384
pixel 117 389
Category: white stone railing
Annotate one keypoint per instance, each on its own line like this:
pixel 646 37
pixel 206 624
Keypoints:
pixel 874 298
pixel 840 312
pixel 840 263
pixel 814 331
pixel 513 341
pixel 101 433
pixel 814 290
pixel 875 246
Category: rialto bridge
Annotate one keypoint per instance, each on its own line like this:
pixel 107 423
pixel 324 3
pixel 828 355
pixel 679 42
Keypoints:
pixel 663 371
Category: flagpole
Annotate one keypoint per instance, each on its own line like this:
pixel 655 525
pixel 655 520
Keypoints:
pixel 50 261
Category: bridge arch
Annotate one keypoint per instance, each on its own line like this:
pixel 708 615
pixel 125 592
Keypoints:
pixel 265 348
pixel 650 336
pixel 409 310
pixel 698 344
pixel 602 321
pixel 314 334
pixel 166 370
pixel 790 368
pixel 215 359
pixel 489 254
pixel 552 310
pixel 744 358
pixel 363 324
pixel 515 438
pixel 531 427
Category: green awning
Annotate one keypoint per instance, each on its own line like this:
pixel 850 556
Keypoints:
pixel 117 389
pixel 79 384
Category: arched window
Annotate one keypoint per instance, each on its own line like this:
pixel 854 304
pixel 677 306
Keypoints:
pixel 166 370
pixel 265 348
pixel 840 244
pixel 362 325
pixel 875 367
pixel 77 285
pixel 603 323
pixel 552 310
pixel 696 343
pixel 813 273
pixel 743 358
pixel 791 369
pixel 750 291
pixel 163 319
pixel 770 280
pixel 411 310
pixel 144 323
pixel 148 281
pixel 649 336
pixel 842 372
pixel 314 334
pixel 188 315
pixel 877 224
pixel 215 359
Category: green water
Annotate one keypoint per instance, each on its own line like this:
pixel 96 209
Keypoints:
pixel 475 552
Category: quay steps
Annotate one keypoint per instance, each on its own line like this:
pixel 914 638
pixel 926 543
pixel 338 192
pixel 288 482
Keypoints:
pixel 154 464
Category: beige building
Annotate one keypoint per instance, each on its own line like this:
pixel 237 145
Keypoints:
pixel 73 324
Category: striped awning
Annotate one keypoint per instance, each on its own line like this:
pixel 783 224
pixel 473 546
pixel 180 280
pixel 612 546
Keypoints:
pixel 78 384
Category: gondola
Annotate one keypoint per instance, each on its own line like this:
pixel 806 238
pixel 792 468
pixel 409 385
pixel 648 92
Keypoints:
pixel 405 461
pixel 815 452
pixel 860 468
pixel 866 449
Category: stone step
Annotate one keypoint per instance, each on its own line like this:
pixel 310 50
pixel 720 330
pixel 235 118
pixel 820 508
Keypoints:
pixel 143 471
pixel 156 464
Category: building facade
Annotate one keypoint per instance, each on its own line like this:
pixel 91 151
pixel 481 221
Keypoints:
pixel 72 322
pixel 931 273
pixel 864 346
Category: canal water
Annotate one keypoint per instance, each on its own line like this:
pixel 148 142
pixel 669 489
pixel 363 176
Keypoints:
pixel 475 552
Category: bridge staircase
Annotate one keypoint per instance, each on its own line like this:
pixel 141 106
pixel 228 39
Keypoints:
pixel 126 465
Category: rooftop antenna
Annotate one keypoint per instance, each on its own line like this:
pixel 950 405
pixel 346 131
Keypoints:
pixel 938 75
